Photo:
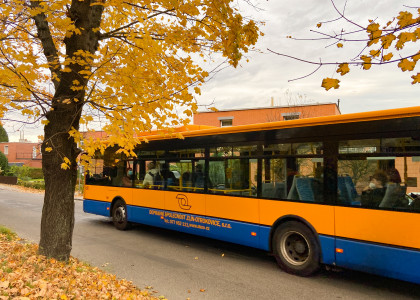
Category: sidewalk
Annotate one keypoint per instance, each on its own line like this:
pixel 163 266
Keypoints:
pixel 17 188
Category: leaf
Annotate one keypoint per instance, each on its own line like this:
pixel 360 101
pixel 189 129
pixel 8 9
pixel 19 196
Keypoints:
pixel 406 65
pixel 387 57
pixel 197 90
pixel 416 78
pixel 329 83
pixel 48 149
pixel 202 290
pixel 404 37
pixel 65 166
pixel 343 69
pixel 319 25
pixel 339 45
pixel 179 135
pixel 416 57
pixel 374 33
pixel 367 62
pixel 387 40
pixel 405 19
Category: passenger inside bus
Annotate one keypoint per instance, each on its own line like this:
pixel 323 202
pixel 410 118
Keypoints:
pixel 373 194
pixel 395 191
pixel 127 178
pixel 149 178
pixel 172 180
pixel 198 177
pixel 186 181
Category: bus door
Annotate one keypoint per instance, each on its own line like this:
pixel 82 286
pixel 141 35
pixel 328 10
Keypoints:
pixel 184 195
pixel 232 198
pixel 148 184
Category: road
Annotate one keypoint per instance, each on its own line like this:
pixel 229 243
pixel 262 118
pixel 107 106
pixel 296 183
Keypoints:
pixel 178 265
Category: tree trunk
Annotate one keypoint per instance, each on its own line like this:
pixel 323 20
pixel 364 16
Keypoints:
pixel 57 220
pixel 58 211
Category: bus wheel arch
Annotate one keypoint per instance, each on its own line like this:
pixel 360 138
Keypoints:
pixel 296 246
pixel 119 214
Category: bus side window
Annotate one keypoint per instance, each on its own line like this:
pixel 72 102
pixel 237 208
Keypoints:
pixel 236 176
pixel 274 175
pixel 307 183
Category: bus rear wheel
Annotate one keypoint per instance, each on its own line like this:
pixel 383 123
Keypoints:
pixel 119 215
pixel 296 249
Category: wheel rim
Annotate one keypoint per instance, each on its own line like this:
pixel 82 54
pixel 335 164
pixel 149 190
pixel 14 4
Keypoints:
pixel 119 216
pixel 295 248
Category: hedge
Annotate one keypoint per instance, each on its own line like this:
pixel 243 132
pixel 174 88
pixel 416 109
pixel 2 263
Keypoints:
pixel 39 185
pixel 3 162
pixel 26 173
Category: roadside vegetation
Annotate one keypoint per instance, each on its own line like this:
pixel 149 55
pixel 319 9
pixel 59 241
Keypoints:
pixel 32 177
pixel 27 176
pixel 26 275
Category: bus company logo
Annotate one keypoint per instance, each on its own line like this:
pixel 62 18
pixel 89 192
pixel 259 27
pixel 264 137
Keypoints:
pixel 183 201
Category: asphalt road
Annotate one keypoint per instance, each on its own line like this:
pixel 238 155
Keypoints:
pixel 178 265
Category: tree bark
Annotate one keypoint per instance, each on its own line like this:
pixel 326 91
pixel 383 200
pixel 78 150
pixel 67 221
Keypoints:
pixel 57 220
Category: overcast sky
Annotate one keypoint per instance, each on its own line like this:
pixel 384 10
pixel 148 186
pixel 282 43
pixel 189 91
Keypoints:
pixel 267 75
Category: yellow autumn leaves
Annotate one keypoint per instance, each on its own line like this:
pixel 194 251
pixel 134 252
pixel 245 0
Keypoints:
pixel 66 164
pixel 406 30
pixel 26 275
pixel 144 75
pixel 329 83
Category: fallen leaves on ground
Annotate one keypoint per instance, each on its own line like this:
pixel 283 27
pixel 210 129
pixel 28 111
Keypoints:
pixel 26 275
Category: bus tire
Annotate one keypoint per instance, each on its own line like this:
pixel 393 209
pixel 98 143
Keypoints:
pixel 119 215
pixel 296 249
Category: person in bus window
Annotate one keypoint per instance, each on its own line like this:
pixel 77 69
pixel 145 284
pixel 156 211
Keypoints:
pixel 198 176
pixel 127 179
pixel 149 178
pixel 395 195
pixel 373 194
pixel 394 176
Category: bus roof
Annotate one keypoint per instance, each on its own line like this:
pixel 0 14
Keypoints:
pixel 200 130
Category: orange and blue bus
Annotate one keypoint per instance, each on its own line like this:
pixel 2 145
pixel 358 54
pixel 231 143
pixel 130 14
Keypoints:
pixel 338 190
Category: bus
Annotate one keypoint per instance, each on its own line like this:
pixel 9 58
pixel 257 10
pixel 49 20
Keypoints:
pixel 338 190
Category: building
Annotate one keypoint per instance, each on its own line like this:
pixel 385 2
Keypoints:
pixel 22 153
pixel 236 117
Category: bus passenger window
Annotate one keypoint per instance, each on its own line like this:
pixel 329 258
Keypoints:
pixel 274 175
pixel 151 177
pixel 353 179
pixel 309 181
pixel 379 183
pixel 233 177
pixel 198 177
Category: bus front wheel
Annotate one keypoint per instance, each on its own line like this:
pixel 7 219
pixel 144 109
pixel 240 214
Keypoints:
pixel 119 215
pixel 296 249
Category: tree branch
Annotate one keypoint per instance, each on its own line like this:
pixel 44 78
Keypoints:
pixel 50 51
